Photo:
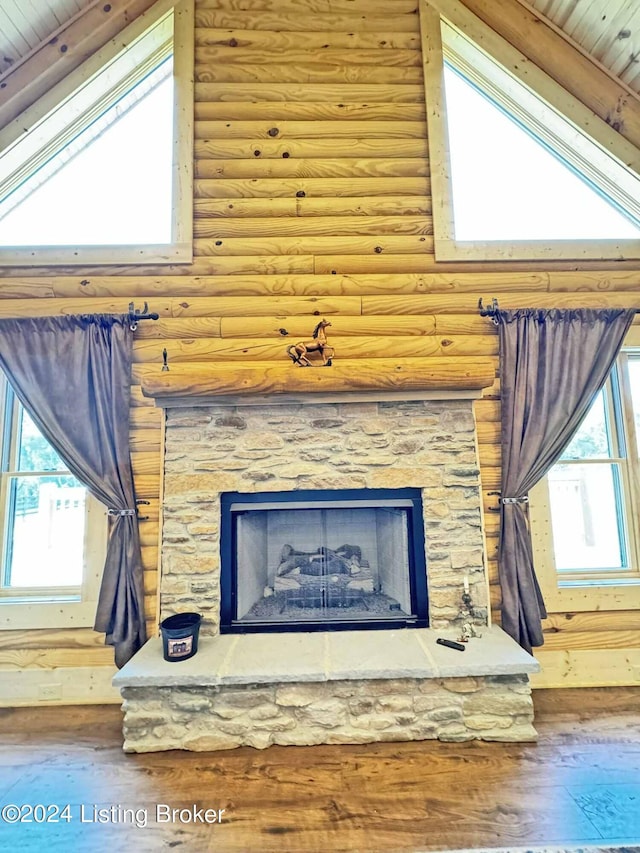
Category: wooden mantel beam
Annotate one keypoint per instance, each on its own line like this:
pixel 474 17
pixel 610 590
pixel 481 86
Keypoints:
pixel 564 61
pixel 376 374
pixel 68 47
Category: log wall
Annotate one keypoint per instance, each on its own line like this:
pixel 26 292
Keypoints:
pixel 311 199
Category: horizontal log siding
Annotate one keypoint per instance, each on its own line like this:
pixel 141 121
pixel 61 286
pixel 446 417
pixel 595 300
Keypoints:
pixel 312 198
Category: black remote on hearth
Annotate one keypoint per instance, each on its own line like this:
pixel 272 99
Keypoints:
pixel 450 644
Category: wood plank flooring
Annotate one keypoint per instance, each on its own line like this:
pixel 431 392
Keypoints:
pixel 579 785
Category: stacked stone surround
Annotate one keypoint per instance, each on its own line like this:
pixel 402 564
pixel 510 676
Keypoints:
pixel 496 708
pixel 423 444
pixel 240 690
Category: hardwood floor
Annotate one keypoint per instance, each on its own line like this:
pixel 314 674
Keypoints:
pixel 580 784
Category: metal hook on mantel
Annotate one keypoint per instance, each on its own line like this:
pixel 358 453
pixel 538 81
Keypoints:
pixel 136 314
pixel 490 310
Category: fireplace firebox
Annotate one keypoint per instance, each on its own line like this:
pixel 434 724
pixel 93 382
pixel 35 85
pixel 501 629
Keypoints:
pixel 322 560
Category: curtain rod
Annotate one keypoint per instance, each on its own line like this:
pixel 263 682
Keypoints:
pixel 136 314
pixel 492 309
pixel 488 311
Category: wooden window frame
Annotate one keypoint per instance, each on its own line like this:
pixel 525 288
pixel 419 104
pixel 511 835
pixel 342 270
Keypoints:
pixel 50 606
pixel 180 248
pixel 598 592
pixel 465 29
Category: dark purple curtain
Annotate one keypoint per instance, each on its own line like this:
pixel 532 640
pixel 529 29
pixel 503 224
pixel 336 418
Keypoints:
pixel 552 364
pixel 72 375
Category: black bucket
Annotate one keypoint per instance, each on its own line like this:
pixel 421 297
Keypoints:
pixel 180 636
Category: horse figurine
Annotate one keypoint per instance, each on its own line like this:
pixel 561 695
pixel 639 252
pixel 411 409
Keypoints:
pixel 299 352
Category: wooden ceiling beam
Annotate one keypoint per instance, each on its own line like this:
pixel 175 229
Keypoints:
pixel 564 61
pixel 46 65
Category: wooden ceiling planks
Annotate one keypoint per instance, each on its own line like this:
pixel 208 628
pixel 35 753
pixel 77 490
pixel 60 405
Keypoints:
pixel 608 30
pixel 24 24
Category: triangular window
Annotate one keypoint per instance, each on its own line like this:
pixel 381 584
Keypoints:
pixel 110 185
pixel 93 179
pixel 509 185
pixel 514 175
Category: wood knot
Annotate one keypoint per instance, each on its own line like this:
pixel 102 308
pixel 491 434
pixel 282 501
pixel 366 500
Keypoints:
pixel 301 194
pixel 273 131
pixel 233 42
pixel 286 155
pixel 63 48
pixel 107 8
pixel 283 332
pixel 257 152
pixel 378 250
pixel 84 282
pixel 446 342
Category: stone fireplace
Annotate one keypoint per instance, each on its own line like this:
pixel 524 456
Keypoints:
pixel 425 445
pixel 367 474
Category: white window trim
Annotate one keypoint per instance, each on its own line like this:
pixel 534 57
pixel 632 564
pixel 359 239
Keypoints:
pixel 592 594
pixel 447 20
pixel 179 14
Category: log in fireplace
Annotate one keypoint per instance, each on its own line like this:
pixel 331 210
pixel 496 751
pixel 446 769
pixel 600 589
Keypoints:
pixel 322 560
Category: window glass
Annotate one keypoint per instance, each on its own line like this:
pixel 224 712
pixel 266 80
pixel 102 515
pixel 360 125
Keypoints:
pixel 634 381
pixel 114 188
pixel 43 512
pixel 587 517
pixel 507 185
pixel 593 439
pixel 45 532
pixel 53 533
pixel 591 495
pixel 34 451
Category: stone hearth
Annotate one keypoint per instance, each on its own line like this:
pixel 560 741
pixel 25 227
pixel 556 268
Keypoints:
pixel 342 687
pixel 399 685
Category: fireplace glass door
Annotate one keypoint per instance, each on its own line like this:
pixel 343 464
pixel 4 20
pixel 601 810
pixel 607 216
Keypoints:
pixel 328 561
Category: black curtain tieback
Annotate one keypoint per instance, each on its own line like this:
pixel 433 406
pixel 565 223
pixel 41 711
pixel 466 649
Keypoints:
pixel 523 500
pixel 121 512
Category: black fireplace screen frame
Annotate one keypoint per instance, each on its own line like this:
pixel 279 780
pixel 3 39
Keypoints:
pixel 411 501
